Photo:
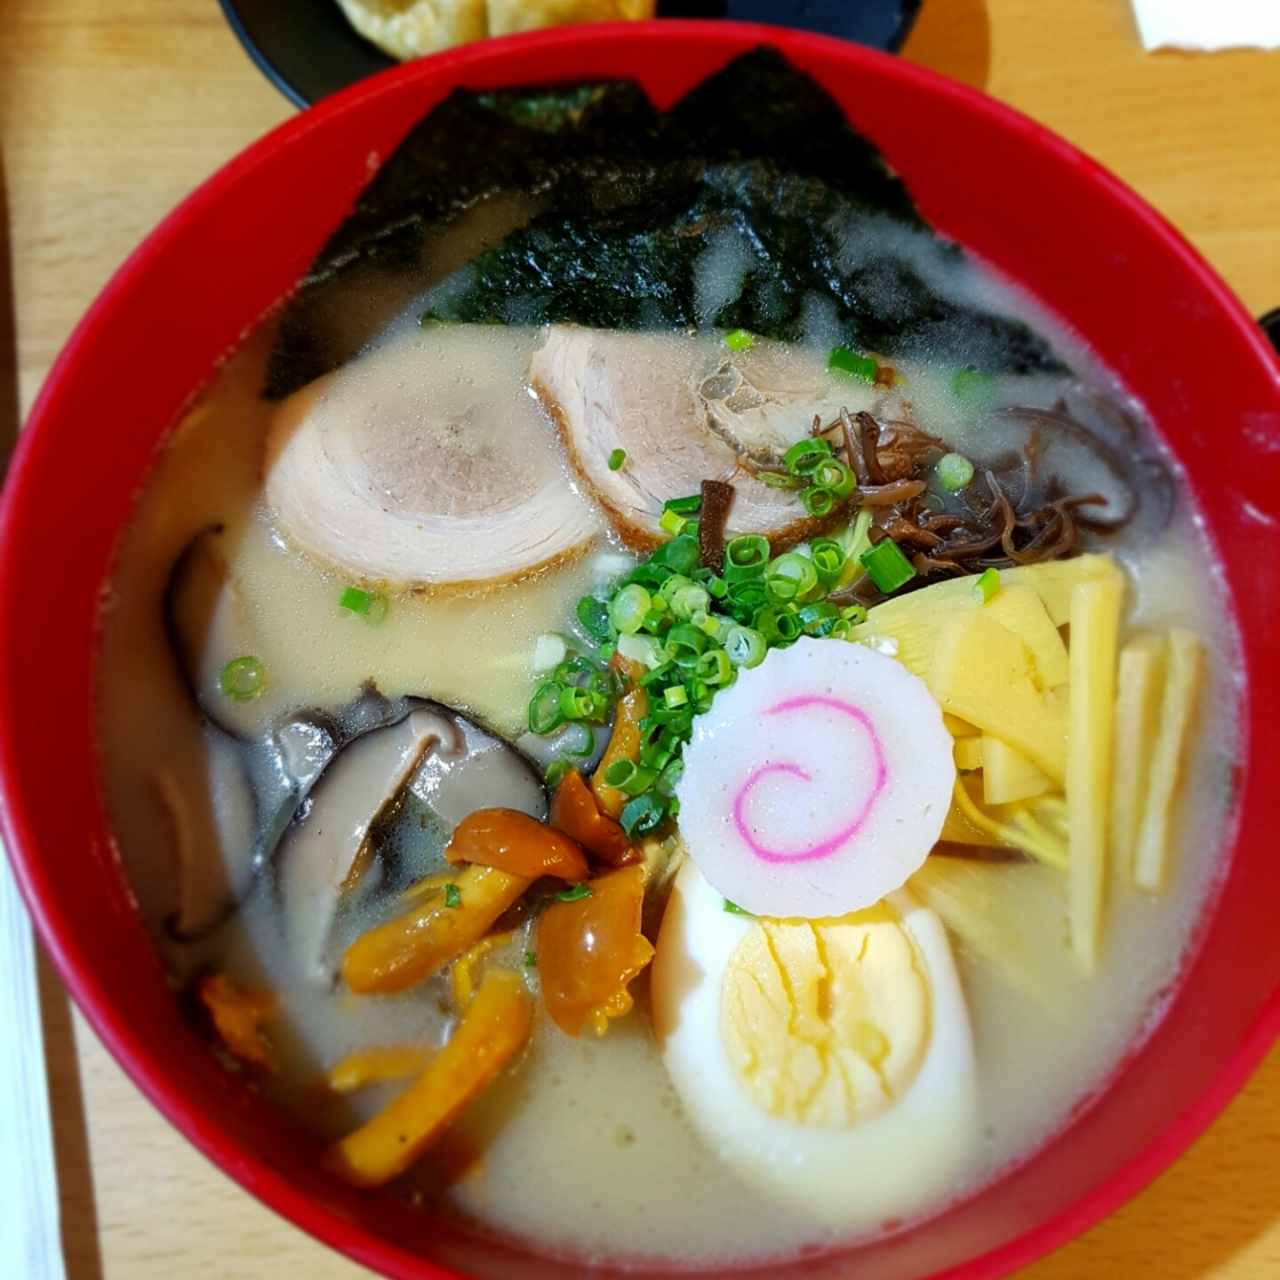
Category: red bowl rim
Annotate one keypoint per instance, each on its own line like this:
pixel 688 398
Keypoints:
pixel 146 1068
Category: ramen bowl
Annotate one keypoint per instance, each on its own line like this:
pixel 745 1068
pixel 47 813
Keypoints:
pixel 1030 204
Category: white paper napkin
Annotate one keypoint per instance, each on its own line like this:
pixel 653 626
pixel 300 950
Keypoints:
pixel 30 1246
pixel 1205 25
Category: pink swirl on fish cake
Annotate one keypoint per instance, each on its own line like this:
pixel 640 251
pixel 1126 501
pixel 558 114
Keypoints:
pixel 822 848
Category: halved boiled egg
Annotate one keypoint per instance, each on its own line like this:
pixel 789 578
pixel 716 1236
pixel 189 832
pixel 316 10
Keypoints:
pixel 816 783
pixel 828 1062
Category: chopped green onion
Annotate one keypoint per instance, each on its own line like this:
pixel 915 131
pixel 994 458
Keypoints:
pixel 780 480
pixel 805 455
pixel 680 555
pixel 354 600
pixel 545 715
pixel 684 643
pixel 739 340
pixel 629 778
pixel 593 614
pixel 530 959
pixel 629 607
pixel 243 679
pixel 672 522
pixel 557 771
pixel 689 506
pixel 834 475
pixel 987 586
pixel 637 648
pixel 886 566
pixel 370 605
pixel 715 669
pixel 819 618
pixel 854 614
pixel 717 587
pixel 779 626
pixel 745 646
pixel 734 910
pixel 674 695
pixel 790 577
pixel 828 558
pixel 954 471
pixel 847 361
pixel 575 893
pixel 642 814
pixel 745 557
pixel 974 389
pixel 616 459
pixel 452 896
pixel 583 704
pixel 855 539
pixel 818 502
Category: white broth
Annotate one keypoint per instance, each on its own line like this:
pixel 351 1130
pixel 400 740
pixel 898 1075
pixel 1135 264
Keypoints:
pixel 584 1147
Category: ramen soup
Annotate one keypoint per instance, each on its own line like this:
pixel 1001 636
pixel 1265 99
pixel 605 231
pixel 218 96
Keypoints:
pixel 660 707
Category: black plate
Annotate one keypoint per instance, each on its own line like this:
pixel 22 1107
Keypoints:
pixel 307 49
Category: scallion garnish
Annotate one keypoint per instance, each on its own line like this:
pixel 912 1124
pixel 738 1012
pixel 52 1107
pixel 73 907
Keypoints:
pixel 452 896
pixel 628 609
pixel 243 679
pixel 745 646
pixel 689 506
pixel 806 455
pixel 974 389
pixel 643 813
pixel 593 614
pixel 828 558
pixel 674 695
pixel 616 459
pixel 987 586
pixel 734 910
pixel 834 475
pixel 575 893
pixel 818 502
pixel 739 340
pixel 954 472
pixel 745 557
pixel 672 522
pixel 886 566
pixel 370 605
pixel 847 361
pixel 545 715
pixel 780 480
pixel 791 577
pixel 530 959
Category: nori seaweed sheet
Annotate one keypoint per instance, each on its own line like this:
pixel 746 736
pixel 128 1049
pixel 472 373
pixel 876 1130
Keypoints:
pixel 628 200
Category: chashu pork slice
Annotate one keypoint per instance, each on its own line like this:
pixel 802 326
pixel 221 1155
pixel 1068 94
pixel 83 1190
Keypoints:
pixel 683 409
pixel 426 464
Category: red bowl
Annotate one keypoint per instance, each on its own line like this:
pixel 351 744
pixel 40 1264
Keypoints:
pixel 1027 201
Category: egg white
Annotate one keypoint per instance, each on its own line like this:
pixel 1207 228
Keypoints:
pixel 894 1165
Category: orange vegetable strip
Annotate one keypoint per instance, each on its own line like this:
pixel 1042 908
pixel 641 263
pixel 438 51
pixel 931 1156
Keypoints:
pixel 514 842
pixel 624 744
pixel 590 949
pixel 488 1037
pixel 238 1014
pixel 576 812
pixel 375 1066
pixel 462 976
pixel 422 941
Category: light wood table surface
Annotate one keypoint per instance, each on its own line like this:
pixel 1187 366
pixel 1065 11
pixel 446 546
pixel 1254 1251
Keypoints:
pixel 112 110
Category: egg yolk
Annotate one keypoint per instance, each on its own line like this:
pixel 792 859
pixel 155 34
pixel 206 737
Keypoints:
pixel 826 1022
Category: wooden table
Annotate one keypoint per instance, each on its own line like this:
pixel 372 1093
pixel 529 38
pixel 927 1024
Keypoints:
pixel 112 110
